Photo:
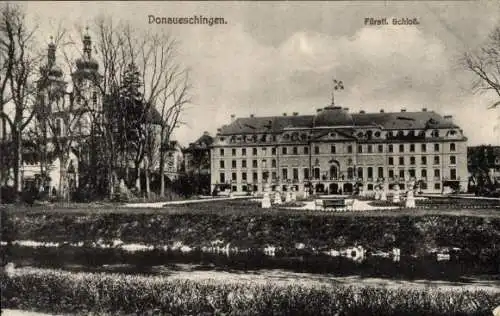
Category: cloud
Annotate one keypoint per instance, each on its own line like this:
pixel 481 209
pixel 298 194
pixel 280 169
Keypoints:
pixel 382 67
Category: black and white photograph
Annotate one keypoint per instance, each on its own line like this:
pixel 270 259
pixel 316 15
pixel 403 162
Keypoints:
pixel 250 158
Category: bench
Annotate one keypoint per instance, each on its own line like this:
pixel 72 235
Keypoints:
pixel 328 204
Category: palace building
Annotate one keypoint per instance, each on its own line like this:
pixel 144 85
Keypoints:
pixel 335 151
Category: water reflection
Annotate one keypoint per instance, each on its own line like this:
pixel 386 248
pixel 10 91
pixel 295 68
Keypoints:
pixel 351 261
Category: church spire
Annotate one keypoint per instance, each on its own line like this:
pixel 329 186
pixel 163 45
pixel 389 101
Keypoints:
pixel 51 52
pixel 87 44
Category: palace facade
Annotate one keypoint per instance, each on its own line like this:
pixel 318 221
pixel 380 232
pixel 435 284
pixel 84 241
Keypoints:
pixel 335 151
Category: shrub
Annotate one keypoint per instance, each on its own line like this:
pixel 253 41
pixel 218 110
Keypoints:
pixel 112 294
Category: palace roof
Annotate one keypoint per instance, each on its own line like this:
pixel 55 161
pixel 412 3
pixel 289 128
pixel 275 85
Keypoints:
pixel 336 117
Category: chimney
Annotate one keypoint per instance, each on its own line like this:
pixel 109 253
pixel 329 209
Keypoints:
pixel 251 115
pixel 295 113
pixel 205 133
pixel 233 117
pixel 346 109
pixel 403 110
pixel 362 112
pixel 381 110
pixel 219 130
pixel 319 110
pixel 284 114
pixel 448 117
pixel 424 110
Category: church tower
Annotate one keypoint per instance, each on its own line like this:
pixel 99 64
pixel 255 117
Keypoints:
pixel 86 79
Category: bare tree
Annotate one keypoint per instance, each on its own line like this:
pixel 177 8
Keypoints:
pixel 484 63
pixel 171 104
pixel 19 68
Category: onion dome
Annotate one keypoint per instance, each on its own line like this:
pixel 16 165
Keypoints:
pixel 333 116
pixel 87 62
pixel 51 70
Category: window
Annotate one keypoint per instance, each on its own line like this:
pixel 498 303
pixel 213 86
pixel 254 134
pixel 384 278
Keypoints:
pixel 222 151
pixel 370 148
pixel 94 99
pixel 273 163
pixel 436 160
pixel 436 147
pixel 390 148
pixel 243 151
pixel 233 164
pixel 222 164
pixel 370 172
pixel 391 161
pixel 411 172
pixel 265 175
pixel 401 148
pixel 295 151
pixel 254 151
pixel 424 160
pixel 306 150
pixel 360 172
pixel 234 188
pixel 453 174
pixel 360 148
pixel 295 172
pixel 255 177
pixel 437 186
pixel 423 148
pixel 423 185
pixel 349 149
pixel 284 173
pixel 412 160
pixel 435 133
pixel 233 152
pixel 316 173
pixel 401 160
pixel 306 173
pixel 222 178
pixel 453 160
pixel 437 174
pixel 243 164
pixel 332 149
pixel 273 175
pixel 233 175
pixel 316 150
pixel 391 173
pixel 423 173
pixel 452 147
pixel 264 151
pixel 412 148
pixel 264 163
pixel 381 172
pixel 380 148
pixel 59 127
pixel 273 151
pixel 244 176
pixel 402 174
pixel 350 173
pixel 284 150
pixel 254 163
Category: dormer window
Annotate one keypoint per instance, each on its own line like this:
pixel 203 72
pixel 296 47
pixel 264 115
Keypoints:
pixel 401 134
pixel 377 134
pixel 435 133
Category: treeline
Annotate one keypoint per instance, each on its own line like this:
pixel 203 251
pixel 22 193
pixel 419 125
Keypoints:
pixel 121 92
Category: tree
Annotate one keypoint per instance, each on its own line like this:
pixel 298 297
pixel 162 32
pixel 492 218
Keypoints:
pixel 19 66
pixel 484 63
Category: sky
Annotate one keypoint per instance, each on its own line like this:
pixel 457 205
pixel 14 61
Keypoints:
pixel 271 58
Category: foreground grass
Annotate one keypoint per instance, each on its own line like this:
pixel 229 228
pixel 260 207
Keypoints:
pixel 59 292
